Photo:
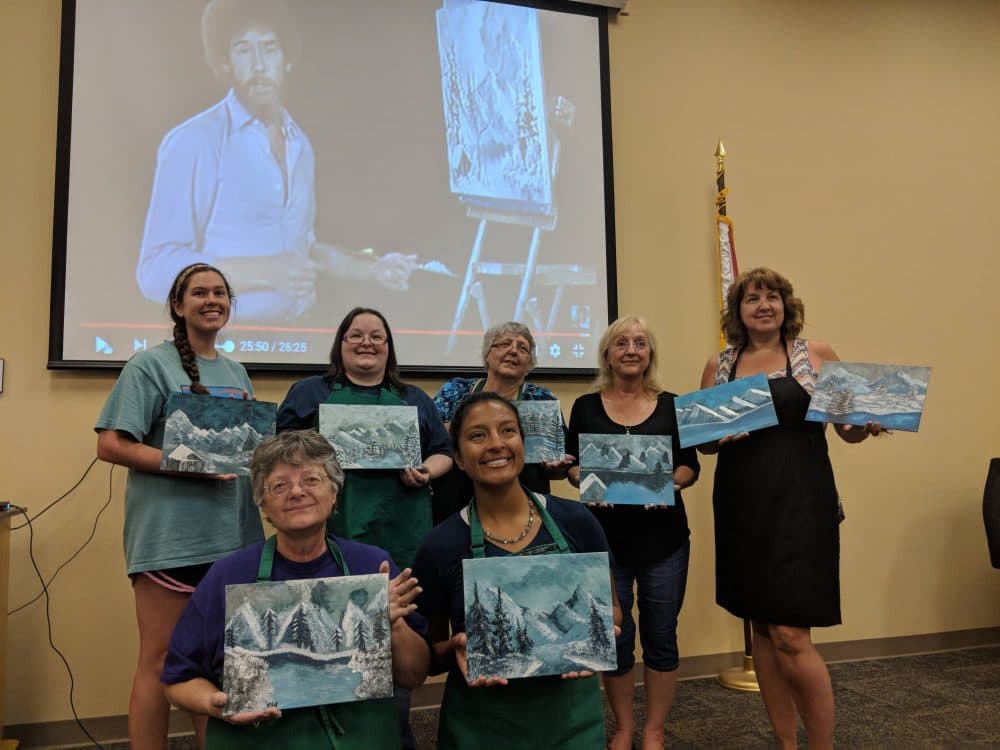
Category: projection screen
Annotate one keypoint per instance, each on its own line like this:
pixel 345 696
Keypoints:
pixel 447 162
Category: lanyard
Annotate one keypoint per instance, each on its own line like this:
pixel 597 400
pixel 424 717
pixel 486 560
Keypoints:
pixel 476 528
pixel 267 557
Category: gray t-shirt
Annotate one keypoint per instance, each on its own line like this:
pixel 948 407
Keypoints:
pixel 173 521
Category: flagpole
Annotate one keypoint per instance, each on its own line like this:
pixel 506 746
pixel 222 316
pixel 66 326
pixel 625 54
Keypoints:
pixel 743 677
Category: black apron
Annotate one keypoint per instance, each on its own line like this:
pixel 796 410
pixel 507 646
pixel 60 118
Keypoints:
pixel 374 506
pixel 362 725
pixel 777 544
pixel 526 714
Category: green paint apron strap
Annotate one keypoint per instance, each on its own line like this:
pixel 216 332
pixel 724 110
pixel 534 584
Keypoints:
pixel 374 506
pixel 480 386
pixel 476 528
pixel 267 557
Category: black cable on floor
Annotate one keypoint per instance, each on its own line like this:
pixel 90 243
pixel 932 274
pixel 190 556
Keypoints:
pixel 48 615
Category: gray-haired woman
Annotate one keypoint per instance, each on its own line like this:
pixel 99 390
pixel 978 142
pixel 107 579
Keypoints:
pixel 508 355
pixel 296 479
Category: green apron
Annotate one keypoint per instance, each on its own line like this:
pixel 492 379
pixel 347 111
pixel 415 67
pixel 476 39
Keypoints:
pixel 363 725
pixel 375 507
pixel 526 714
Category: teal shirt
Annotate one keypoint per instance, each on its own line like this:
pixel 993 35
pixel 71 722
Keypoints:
pixel 174 521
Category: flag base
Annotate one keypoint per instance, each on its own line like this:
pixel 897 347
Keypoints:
pixel 741 678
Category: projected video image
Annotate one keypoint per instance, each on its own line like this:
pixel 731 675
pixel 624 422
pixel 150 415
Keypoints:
pixel 440 160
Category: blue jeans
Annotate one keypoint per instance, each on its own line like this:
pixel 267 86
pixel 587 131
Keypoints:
pixel 661 594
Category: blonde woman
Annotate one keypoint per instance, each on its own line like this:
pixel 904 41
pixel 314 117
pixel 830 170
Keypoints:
pixel 650 545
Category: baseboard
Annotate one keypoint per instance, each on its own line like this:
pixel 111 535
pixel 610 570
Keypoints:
pixel 107 729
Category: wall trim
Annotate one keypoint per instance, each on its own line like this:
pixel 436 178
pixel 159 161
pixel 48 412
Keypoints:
pixel 107 729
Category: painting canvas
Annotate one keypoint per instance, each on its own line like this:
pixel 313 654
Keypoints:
pixel 372 437
pixel 306 643
pixel 494 105
pixel 860 392
pixel 626 469
pixel 544 439
pixel 209 435
pixel 742 405
pixel 534 615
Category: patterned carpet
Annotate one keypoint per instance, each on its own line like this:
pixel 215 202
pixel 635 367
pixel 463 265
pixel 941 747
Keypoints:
pixel 940 700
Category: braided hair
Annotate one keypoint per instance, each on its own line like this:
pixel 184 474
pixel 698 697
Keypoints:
pixel 177 290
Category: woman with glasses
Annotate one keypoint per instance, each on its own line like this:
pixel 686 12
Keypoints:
pixel 508 355
pixel 296 480
pixel 649 543
pixel 385 507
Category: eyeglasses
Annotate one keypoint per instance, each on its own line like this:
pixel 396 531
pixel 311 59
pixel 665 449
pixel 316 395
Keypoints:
pixel 622 345
pixel 309 483
pixel 355 337
pixel 522 349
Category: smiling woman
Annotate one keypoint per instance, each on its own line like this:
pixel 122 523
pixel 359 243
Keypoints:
pixel 502 519
pixel 508 352
pixel 296 479
pixel 175 524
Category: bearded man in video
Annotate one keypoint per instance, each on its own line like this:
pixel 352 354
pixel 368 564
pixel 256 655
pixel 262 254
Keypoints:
pixel 234 185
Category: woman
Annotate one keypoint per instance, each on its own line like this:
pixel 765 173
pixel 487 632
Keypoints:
pixel 175 524
pixel 509 355
pixel 529 713
pixel 650 544
pixel 386 508
pixel 777 545
pixel 296 478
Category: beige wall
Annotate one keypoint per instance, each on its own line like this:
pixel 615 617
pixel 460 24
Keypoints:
pixel 862 164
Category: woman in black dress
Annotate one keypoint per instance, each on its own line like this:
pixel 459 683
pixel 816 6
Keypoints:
pixel 777 545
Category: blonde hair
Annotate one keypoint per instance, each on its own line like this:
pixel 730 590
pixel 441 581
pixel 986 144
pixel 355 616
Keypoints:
pixel 604 377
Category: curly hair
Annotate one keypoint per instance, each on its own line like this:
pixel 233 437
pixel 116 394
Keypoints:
pixel 224 19
pixel 189 360
pixel 604 376
pixel 761 278
pixel 510 328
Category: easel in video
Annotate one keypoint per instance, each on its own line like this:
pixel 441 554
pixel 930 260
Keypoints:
pixel 558 276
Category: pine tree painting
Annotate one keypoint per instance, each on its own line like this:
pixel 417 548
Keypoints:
pixel 307 642
pixel 535 615
pixel 544 438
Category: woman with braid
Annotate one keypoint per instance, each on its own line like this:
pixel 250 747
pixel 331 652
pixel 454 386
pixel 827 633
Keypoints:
pixel 176 524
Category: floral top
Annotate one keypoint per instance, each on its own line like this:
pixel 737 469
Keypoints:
pixel 452 393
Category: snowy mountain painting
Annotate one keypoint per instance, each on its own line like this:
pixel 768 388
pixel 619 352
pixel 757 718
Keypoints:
pixel 860 392
pixel 544 439
pixel 533 615
pixel 372 437
pixel 307 643
pixel 209 435
pixel 494 102
pixel 742 405
pixel 626 469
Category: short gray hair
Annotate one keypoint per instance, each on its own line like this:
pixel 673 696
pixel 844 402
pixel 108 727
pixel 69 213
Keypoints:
pixel 509 328
pixel 296 448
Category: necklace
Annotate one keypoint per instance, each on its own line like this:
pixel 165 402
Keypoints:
pixel 519 537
